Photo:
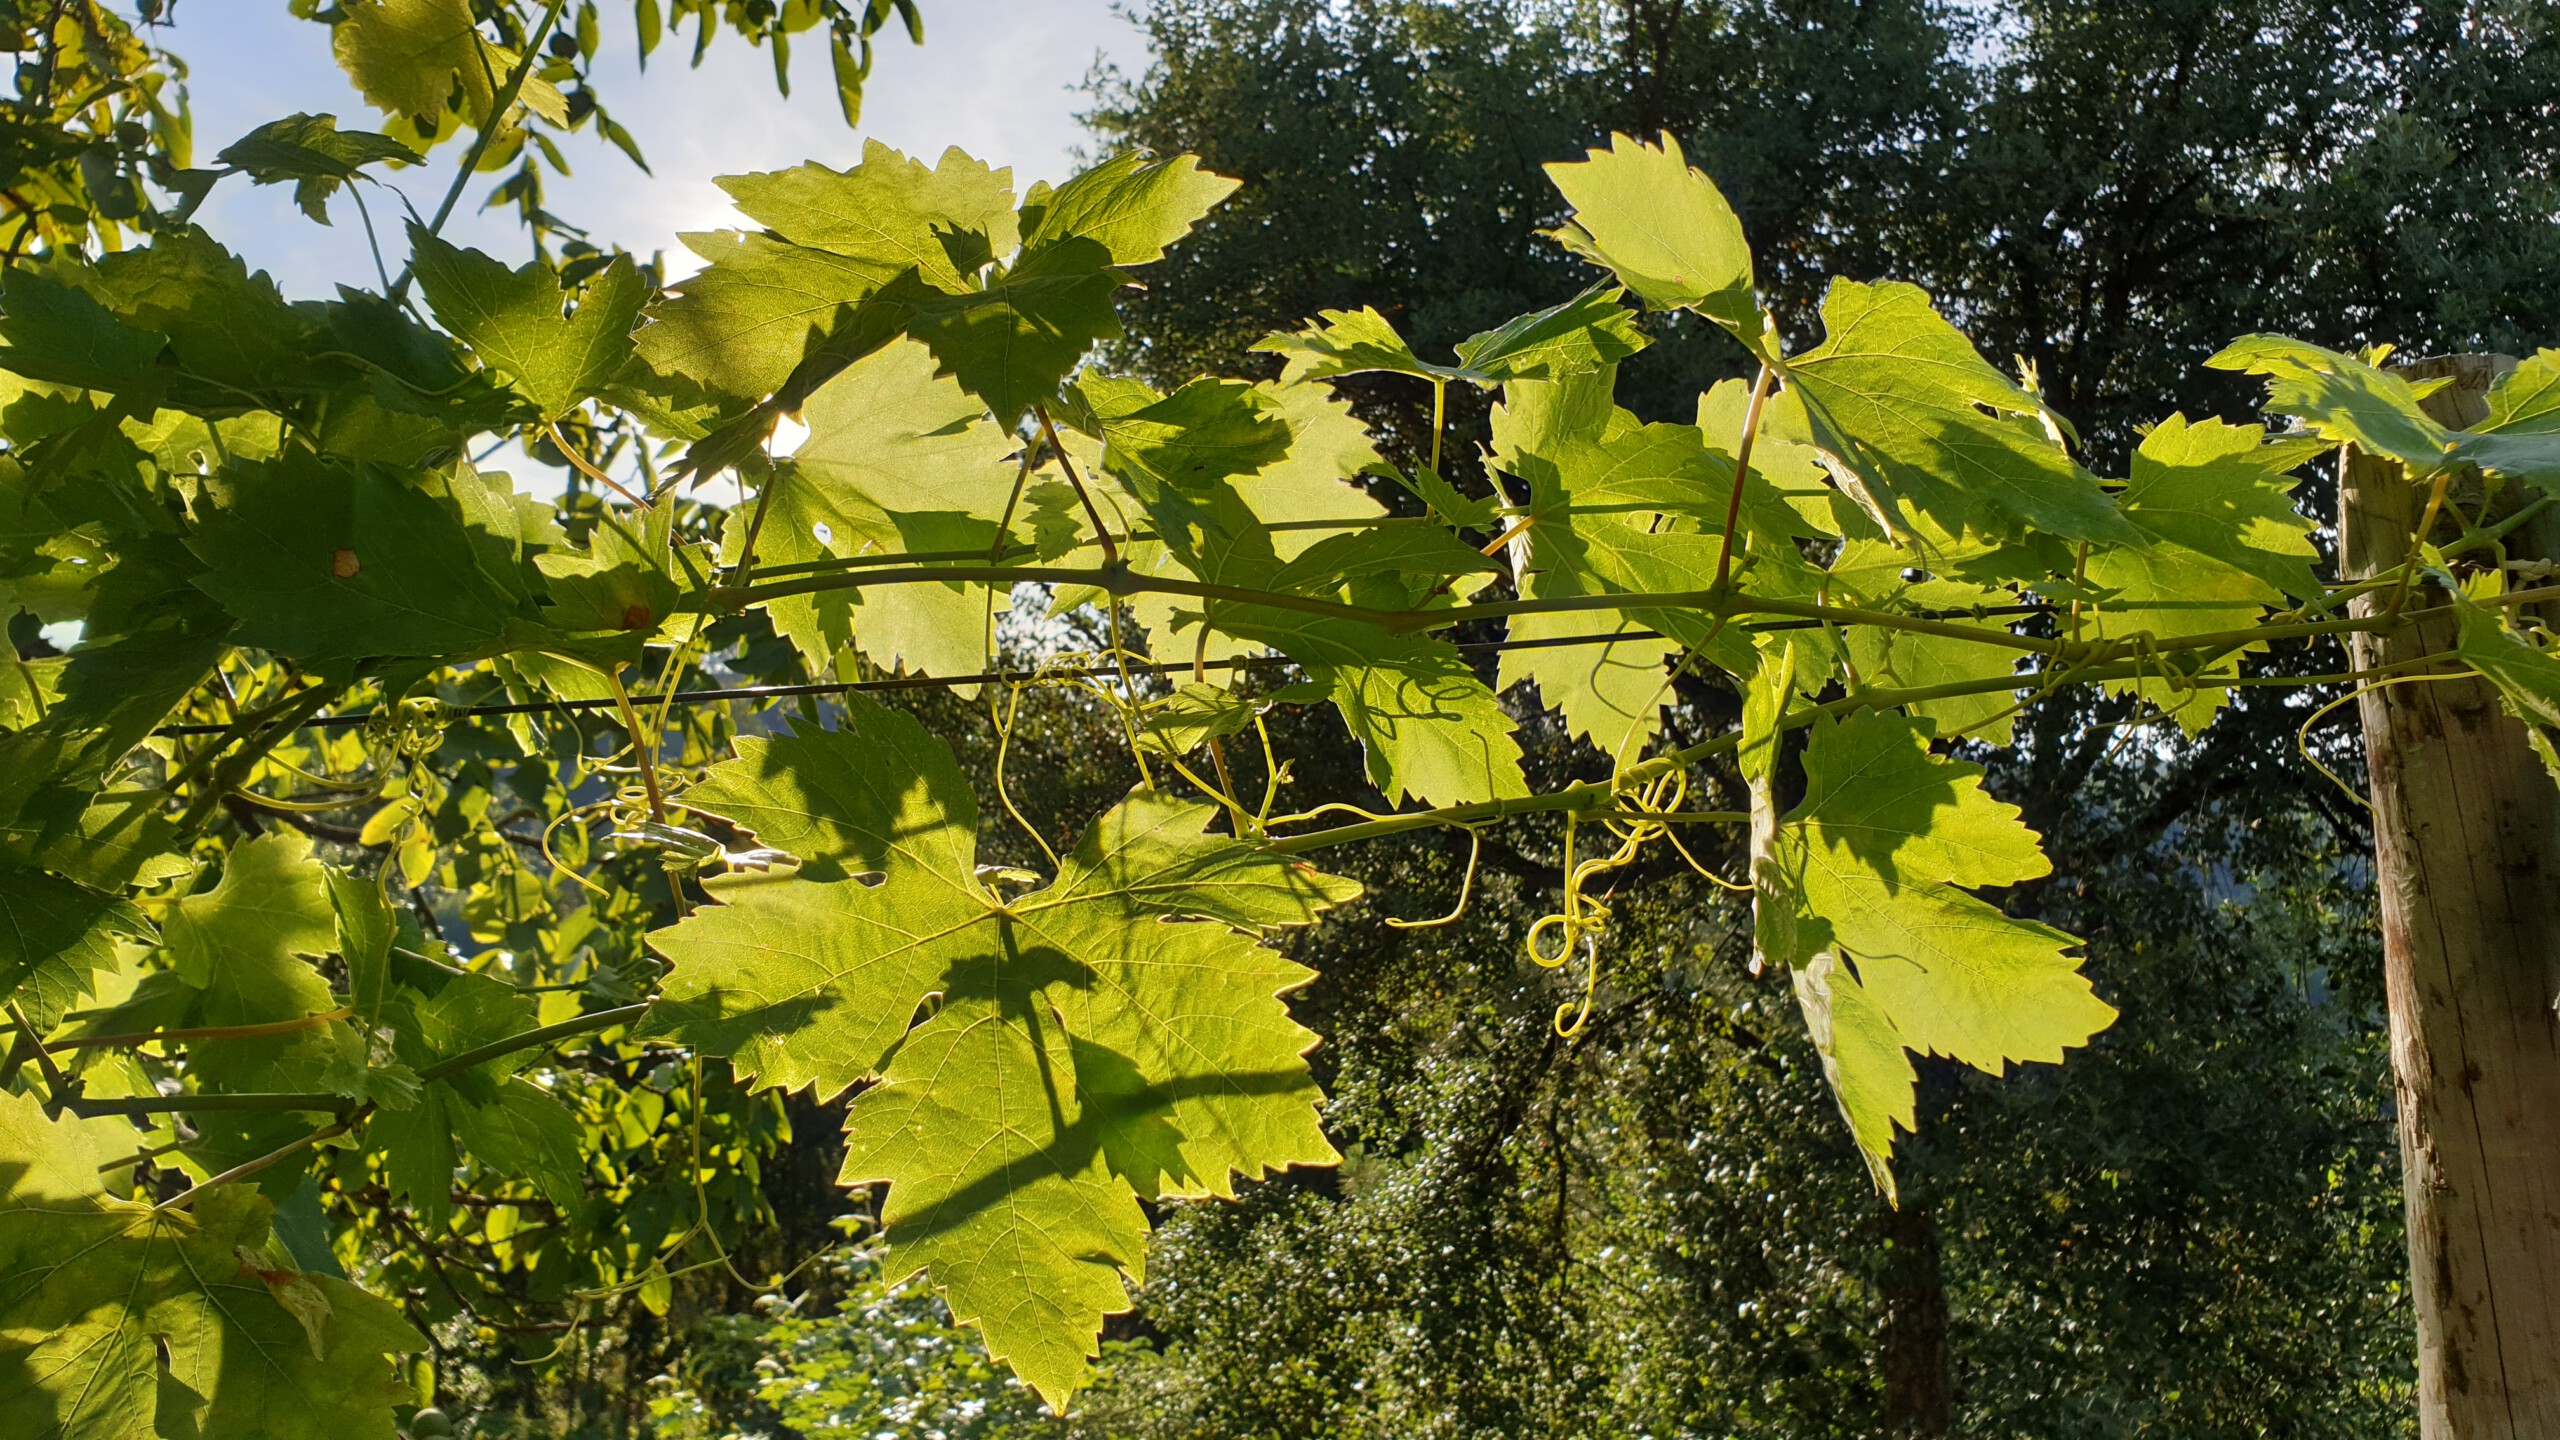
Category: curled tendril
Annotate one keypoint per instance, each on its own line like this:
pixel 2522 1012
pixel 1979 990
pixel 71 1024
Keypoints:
pixel 1466 887
pixel 411 728
pixel 1581 920
pixel 2302 735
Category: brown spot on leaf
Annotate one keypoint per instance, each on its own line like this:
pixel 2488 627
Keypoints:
pixel 344 565
pixel 637 617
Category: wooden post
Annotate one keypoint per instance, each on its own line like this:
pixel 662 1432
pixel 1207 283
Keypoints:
pixel 2466 829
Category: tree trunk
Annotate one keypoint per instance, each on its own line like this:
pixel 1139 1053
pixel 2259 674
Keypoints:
pixel 1919 1399
pixel 2467 851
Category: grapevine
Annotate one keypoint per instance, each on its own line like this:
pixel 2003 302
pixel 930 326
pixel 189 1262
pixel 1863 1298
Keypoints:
pixel 397 850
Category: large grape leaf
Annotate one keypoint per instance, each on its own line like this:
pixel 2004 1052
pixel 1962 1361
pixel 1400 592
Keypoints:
pixel 413 57
pixel 752 314
pixel 1329 449
pixel 2343 399
pixel 321 561
pixel 1615 507
pixel 95 1291
pixel 812 980
pixel 1857 891
pixel 2226 542
pixel 1923 574
pixel 1131 206
pixel 512 319
pixel 244 942
pixel 889 213
pixel 897 461
pixel 1013 341
pixel 1665 230
pixel 1897 397
pixel 1116 1034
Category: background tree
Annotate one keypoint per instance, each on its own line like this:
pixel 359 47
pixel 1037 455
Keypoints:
pixel 2105 191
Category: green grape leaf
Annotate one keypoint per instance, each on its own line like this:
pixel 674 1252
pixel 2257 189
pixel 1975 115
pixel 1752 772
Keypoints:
pixel 512 319
pixel 897 461
pixel 1011 343
pixel 2226 543
pixel 55 936
pixel 114 691
pixel 617 582
pixel 1348 342
pixel 1585 334
pixel 2526 400
pixel 2342 399
pixel 1665 230
pixel 1194 714
pixel 812 980
pixel 1616 508
pixel 1866 871
pixel 998 1185
pixel 1420 549
pixel 506 1123
pixel 2520 438
pixel 889 213
pixel 325 561
pixel 1328 449
pixel 1087 1051
pixel 1873 575
pixel 312 152
pixel 120 1315
pixel 2527 677
pixel 1611 694
pixel 243 942
pixel 1132 207
pixel 1205 432
pixel 752 315
pixel 410 57
pixel 225 323
pixel 1429 727
pixel 1897 397
pixel 526 1133
pixel 27 687
pixel 60 333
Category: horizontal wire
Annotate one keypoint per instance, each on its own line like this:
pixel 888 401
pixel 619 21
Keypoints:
pixel 944 682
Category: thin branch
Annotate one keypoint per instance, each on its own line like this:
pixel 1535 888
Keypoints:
pixel 642 749
pixel 600 1020
pixel 57 1084
pixel 280 1100
pixel 208 1032
pixel 247 1168
pixel 561 443
pixel 1102 532
pixel 1741 469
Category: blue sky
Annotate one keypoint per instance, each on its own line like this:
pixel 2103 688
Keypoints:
pixel 998 78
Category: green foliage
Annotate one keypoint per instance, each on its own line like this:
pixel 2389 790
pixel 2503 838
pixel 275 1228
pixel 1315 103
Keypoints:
pixel 253 1346
pixel 1857 902
pixel 512 1018
pixel 1082 1054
